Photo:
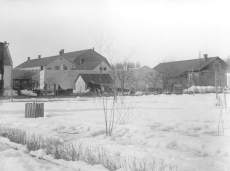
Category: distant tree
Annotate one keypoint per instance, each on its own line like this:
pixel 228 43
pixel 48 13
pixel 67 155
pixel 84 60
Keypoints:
pixel 138 64
pixel 153 80
pixel 124 75
pixel 30 79
pixel 227 60
pixel 170 77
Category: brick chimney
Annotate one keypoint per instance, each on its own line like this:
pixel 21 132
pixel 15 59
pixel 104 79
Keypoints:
pixel 39 56
pixel 28 58
pixel 205 57
pixel 93 48
pixel 61 52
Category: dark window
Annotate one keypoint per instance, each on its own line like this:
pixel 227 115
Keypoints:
pixel 196 76
pixel 101 68
pixel 56 67
pixel 16 84
pixel 41 67
pixel 105 68
pixel 82 61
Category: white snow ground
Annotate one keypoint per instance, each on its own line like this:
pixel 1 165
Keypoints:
pixel 181 130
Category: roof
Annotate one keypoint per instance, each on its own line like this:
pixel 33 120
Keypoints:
pixel 88 65
pixel 71 56
pixel 96 78
pixel 176 68
pixel 6 53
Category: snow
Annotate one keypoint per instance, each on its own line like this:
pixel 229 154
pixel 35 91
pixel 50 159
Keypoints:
pixel 181 130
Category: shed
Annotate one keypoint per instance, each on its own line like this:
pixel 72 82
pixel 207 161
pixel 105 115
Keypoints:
pixel 83 80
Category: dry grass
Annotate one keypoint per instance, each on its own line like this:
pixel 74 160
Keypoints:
pixel 74 152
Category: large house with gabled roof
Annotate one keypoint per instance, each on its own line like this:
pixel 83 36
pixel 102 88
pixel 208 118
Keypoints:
pixel 63 69
pixel 198 72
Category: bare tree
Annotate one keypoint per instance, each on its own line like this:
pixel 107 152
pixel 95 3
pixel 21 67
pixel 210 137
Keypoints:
pixel 125 76
pixel 29 78
pixel 154 80
pixel 171 75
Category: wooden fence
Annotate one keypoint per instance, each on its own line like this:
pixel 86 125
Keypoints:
pixel 34 110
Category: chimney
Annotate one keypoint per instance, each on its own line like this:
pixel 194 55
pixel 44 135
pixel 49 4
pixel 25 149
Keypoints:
pixel 39 56
pixel 61 52
pixel 93 48
pixel 205 57
pixel 28 58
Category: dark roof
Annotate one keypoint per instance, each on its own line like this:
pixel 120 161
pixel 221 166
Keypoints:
pixel 6 53
pixel 90 56
pixel 88 65
pixel 24 74
pixel 176 68
pixel 71 56
pixel 96 78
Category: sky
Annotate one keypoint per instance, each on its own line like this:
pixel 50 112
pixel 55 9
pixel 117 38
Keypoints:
pixel 148 31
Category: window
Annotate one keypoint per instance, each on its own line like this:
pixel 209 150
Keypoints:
pixel 104 68
pixel 101 68
pixel 48 68
pixel 41 67
pixel 56 67
pixel 197 76
pixel 65 67
pixel 16 84
pixel 190 77
pixel 82 61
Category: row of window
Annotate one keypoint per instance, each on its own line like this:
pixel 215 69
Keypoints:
pixel 190 77
pixel 101 68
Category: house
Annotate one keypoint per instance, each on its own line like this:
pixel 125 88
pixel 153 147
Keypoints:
pixel 6 65
pixel 199 72
pixel 63 69
pixel 146 78
pixel 86 81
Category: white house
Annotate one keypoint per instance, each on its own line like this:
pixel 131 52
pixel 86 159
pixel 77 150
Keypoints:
pixel 83 80
pixel 63 69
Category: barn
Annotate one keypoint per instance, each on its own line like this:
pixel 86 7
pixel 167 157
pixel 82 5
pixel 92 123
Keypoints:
pixel 92 81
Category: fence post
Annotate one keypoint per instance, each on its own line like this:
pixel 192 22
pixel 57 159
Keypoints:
pixel 26 110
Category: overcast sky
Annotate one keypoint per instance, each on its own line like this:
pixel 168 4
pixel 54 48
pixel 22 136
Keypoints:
pixel 148 31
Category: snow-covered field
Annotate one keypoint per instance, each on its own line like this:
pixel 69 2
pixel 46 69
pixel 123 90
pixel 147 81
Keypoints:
pixel 180 130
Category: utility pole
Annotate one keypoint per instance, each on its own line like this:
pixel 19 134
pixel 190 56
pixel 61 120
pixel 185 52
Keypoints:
pixel 217 67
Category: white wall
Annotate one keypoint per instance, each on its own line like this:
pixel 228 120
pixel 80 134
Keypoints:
pixel 228 79
pixel 42 79
pixel 65 78
pixel 103 64
pixel 80 85
pixel 58 62
pixel 7 76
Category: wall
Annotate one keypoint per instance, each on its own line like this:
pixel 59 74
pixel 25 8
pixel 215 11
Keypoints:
pixel 58 62
pixel 80 85
pixel 103 64
pixel 7 76
pixel 65 78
